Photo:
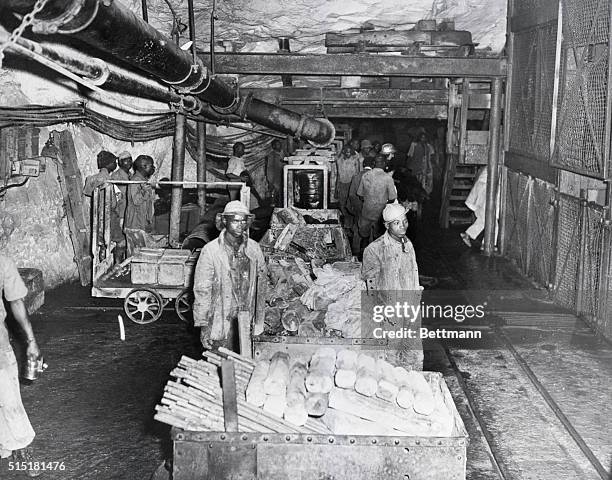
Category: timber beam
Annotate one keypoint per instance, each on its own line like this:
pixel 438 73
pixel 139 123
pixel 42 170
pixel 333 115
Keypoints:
pixel 356 64
pixel 360 102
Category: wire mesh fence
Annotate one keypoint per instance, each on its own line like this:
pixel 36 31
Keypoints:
pixel 531 102
pixel 540 231
pixel 582 113
pixel 591 261
pixel 568 250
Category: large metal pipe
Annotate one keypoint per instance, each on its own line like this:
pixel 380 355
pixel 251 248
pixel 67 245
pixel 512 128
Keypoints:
pixel 178 172
pixel 98 71
pixel 110 27
pixel 493 167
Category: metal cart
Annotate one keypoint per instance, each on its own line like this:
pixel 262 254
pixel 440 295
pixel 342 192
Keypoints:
pixel 156 285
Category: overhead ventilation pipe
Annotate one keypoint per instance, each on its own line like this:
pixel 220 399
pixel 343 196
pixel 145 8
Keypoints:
pixel 110 27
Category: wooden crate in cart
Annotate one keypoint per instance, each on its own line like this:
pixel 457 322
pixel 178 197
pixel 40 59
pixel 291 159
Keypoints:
pixel 280 456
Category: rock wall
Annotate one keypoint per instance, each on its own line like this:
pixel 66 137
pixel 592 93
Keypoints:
pixel 35 230
pixel 254 25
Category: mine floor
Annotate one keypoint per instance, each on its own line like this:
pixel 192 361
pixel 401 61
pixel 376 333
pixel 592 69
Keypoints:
pixel 534 393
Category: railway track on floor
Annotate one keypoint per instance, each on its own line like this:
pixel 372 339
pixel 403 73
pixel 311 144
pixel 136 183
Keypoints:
pixel 497 461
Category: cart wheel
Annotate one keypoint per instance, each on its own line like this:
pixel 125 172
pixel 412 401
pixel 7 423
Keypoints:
pixel 183 306
pixel 143 305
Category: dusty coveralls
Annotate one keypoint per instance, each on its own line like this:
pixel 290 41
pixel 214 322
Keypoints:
pixel 421 166
pixel 392 268
pixel 139 212
pixel 377 189
pixel 477 201
pixel 347 168
pixel 118 212
pixel 15 429
pixel 222 287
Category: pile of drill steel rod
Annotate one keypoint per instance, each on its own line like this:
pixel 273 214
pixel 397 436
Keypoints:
pixel 194 399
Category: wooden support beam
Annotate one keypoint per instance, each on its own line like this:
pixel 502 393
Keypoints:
pixel 361 102
pixel 493 167
pixel 356 64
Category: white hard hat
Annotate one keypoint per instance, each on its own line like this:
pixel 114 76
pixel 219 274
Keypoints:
pixel 236 207
pixel 388 148
pixel 393 211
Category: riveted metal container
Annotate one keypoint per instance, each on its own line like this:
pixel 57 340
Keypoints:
pixel 144 266
pixel 171 267
pixel 279 456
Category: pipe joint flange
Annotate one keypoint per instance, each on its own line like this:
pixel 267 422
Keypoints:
pixel 231 108
pixel 201 72
pixel 104 72
pixel 191 104
pixel 51 25
pixel 244 104
pixel 331 137
pixel 300 127
pixel 85 24
pixel 183 85
pixel 204 78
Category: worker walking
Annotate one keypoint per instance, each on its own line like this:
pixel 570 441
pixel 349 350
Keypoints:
pixel 235 169
pixel 229 278
pixel 355 204
pixel 347 165
pixel 16 433
pixel 376 189
pixel 390 267
pixel 419 161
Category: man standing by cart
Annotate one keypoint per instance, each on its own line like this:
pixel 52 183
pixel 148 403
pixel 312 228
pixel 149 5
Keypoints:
pixel 229 277
pixel 390 268
pixel 138 225
pixel 16 433
pixel 123 174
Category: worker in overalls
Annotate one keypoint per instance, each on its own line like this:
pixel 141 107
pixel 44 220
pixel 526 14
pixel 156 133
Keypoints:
pixel 390 268
pixel 229 277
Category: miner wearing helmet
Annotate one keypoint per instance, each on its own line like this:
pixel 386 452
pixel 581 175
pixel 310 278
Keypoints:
pixel 390 267
pixel 229 277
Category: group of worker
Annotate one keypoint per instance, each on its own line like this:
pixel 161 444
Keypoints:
pixel 132 204
pixel 370 176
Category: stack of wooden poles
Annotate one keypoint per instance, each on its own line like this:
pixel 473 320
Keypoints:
pixel 194 400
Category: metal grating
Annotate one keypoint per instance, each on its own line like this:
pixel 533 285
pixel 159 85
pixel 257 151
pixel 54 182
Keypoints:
pixel 517 197
pixel 581 135
pixel 566 262
pixel 532 91
pixel 586 21
pixel 540 232
pixel 592 260
pixel 582 112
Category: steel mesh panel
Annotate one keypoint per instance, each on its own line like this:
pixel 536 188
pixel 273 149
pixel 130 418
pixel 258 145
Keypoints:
pixel 586 21
pixel 583 115
pixel 592 261
pixel 606 316
pixel 532 91
pixel 522 105
pixel 516 221
pixel 540 241
pixel 510 212
pixel 568 234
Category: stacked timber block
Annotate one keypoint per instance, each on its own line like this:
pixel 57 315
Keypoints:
pixel 352 393
pixel 194 400
pixel 33 279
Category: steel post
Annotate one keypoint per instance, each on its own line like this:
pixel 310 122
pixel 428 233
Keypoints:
pixel 493 167
pixel 201 166
pixel 178 170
